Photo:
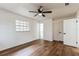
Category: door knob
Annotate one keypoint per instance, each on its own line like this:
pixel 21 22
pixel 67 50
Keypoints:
pixel 59 32
pixel 64 33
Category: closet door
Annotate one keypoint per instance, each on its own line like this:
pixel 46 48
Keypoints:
pixel 70 35
pixel 58 30
pixel 77 33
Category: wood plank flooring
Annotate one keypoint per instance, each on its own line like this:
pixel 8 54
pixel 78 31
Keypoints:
pixel 45 48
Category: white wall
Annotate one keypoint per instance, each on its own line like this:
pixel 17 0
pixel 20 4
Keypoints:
pixel 10 38
pixel 8 35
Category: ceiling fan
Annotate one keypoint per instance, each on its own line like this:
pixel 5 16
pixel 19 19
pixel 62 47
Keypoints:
pixel 40 11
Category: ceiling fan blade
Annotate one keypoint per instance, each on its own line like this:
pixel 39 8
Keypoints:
pixel 36 14
pixel 33 11
pixel 47 11
pixel 43 15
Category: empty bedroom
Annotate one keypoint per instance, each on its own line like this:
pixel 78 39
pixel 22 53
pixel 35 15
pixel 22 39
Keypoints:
pixel 39 29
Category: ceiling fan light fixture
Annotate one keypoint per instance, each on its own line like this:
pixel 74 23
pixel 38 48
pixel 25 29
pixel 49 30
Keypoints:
pixel 39 14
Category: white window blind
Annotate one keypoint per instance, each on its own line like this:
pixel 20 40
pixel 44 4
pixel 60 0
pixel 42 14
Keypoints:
pixel 22 25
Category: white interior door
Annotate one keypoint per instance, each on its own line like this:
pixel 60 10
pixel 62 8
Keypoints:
pixel 70 34
pixel 77 32
pixel 58 30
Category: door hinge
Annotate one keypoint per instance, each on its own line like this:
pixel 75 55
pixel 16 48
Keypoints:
pixel 76 42
pixel 76 21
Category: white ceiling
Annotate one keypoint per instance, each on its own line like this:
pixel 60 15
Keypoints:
pixel 59 9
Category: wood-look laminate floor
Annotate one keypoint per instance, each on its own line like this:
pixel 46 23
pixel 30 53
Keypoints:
pixel 44 48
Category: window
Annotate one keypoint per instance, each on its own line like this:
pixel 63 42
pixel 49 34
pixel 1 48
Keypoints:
pixel 22 25
pixel 41 30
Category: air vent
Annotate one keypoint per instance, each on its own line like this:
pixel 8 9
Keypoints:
pixel 66 4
